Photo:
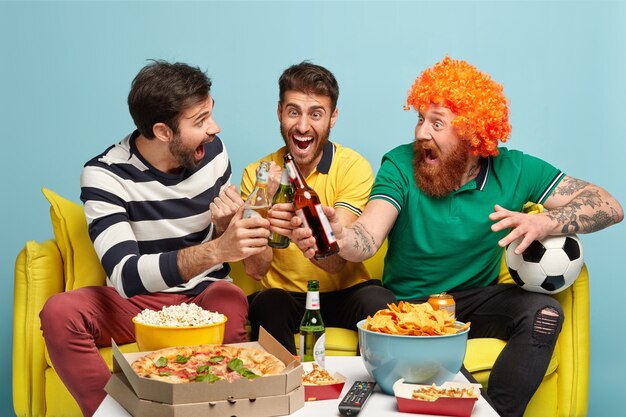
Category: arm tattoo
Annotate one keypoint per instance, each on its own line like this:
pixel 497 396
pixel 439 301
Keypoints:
pixel 584 213
pixel 570 186
pixel 363 240
pixel 598 221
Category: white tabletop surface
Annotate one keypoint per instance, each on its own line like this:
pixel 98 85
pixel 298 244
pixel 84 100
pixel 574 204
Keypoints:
pixel 352 368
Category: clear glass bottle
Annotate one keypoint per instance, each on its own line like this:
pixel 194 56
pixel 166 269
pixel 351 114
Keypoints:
pixel 284 194
pixel 312 332
pixel 258 203
pixel 309 209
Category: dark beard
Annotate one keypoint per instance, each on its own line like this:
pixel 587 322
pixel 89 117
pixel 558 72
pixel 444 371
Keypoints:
pixel 442 179
pixel 184 155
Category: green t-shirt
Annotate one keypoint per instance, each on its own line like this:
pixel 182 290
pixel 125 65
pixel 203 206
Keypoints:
pixel 445 244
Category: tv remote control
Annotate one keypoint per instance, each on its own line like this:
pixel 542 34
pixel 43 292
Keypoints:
pixel 356 397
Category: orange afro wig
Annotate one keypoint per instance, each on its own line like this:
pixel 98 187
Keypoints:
pixel 482 114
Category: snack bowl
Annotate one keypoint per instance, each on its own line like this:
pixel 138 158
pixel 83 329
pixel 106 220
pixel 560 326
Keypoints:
pixel 446 406
pixel 416 359
pixel 152 337
pixel 325 391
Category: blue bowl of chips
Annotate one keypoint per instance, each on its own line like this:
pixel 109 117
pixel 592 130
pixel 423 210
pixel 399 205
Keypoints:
pixel 417 359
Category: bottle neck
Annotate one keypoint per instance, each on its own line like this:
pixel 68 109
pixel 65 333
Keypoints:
pixel 284 178
pixel 294 174
pixel 313 300
pixel 263 173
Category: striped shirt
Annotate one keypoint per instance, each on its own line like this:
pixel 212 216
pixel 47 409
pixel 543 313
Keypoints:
pixel 139 217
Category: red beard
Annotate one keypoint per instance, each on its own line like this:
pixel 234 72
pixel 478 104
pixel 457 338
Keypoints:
pixel 444 177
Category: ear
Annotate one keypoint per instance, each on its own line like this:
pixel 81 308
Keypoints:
pixel 279 110
pixel 333 117
pixel 162 132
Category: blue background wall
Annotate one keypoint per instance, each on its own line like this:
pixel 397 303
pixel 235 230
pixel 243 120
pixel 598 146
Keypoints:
pixel 67 66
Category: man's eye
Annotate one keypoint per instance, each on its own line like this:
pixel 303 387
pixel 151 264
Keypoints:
pixel 316 115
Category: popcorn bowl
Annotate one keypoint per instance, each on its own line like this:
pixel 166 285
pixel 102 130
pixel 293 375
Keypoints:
pixel 416 359
pixel 152 337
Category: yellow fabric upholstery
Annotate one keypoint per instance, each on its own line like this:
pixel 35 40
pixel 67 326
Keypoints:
pixel 41 270
pixel 81 264
pixel 53 266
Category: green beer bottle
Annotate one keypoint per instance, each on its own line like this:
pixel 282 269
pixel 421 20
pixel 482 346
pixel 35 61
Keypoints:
pixel 312 332
pixel 284 194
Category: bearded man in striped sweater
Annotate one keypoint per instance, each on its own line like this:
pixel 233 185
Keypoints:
pixel 155 205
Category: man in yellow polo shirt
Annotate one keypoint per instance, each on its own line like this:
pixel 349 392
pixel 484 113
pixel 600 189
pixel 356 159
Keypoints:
pixel 307 110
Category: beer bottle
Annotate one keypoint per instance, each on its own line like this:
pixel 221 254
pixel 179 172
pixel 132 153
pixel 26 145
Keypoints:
pixel 309 209
pixel 258 202
pixel 284 194
pixel 312 333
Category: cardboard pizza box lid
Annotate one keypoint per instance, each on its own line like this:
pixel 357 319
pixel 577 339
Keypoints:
pixel 149 389
pixel 120 389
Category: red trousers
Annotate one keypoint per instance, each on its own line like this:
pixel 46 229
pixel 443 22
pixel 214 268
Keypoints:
pixel 76 323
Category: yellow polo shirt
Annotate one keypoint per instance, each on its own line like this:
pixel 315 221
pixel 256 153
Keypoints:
pixel 343 179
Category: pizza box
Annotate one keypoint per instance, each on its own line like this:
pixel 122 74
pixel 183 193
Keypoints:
pixel 322 392
pixel 443 406
pixel 120 389
pixel 164 392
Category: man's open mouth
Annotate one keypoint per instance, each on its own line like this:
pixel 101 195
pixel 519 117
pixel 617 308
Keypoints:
pixel 302 142
pixel 199 154
pixel 430 156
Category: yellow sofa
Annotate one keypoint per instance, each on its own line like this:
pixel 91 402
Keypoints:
pixel 69 261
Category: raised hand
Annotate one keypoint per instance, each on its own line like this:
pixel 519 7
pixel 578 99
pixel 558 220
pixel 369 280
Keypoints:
pixel 224 207
pixel 303 236
pixel 529 227
pixel 243 237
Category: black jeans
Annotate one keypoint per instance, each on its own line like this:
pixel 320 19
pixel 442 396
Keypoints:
pixel 280 312
pixel 529 322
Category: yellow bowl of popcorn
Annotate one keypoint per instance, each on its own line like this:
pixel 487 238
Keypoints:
pixel 178 325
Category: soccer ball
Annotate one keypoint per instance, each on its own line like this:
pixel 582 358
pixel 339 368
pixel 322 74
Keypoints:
pixel 547 266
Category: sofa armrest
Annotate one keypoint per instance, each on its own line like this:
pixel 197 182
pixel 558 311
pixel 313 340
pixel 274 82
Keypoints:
pixel 38 275
pixel 573 381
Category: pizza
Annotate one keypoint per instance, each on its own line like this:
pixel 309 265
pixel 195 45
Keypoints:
pixel 207 363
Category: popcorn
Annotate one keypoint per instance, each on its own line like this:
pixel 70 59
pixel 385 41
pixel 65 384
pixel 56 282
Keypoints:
pixel 183 315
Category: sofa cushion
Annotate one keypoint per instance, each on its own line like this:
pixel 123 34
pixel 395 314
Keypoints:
pixel 481 354
pixel 80 262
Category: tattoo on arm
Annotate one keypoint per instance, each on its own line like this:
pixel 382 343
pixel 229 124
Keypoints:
pixel 570 186
pixel 598 221
pixel 584 213
pixel 363 240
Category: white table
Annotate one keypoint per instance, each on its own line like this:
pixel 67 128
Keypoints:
pixel 353 369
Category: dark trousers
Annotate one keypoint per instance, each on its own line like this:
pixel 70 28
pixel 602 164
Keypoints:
pixel 529 322
pixel 280 312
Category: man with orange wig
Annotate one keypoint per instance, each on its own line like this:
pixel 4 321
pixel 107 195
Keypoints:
pixel 450 201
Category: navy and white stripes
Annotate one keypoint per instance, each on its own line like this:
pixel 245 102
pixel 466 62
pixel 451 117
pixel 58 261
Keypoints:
pixel 140 217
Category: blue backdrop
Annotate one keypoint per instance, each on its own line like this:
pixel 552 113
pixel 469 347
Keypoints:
pixel 67 66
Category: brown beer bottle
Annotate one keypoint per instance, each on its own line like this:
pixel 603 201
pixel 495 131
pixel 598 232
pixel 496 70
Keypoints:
pixel 309 209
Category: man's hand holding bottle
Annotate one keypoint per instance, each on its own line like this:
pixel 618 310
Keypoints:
pixel 303 236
